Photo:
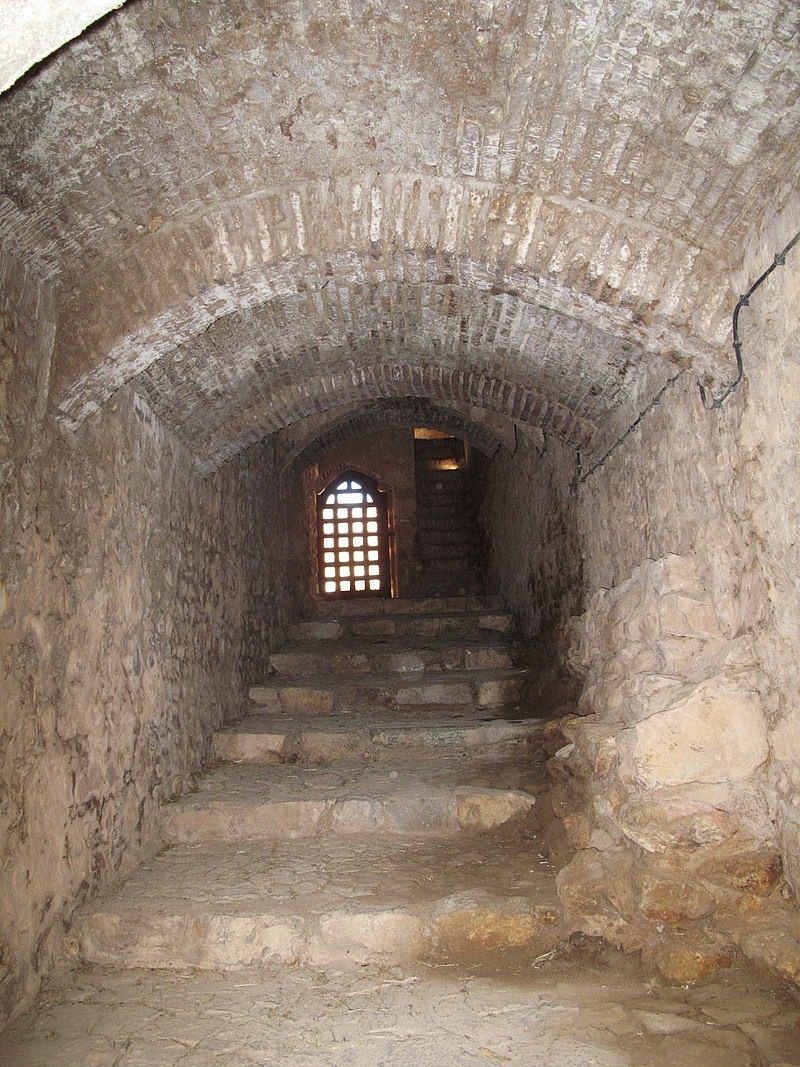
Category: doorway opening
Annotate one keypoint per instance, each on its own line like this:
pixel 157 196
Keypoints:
pixel 353 538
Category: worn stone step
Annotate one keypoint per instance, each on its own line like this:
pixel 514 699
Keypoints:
pixel 434 624
pixel 450 535
pixel 262 738
pixel 254 802
pixel 461 549
pixel 391 655
pixel 337 694
pixel 442 520
pixel 392 606
pixel 346 900
pixel 448 562
pixel 441 501
pixel 423 581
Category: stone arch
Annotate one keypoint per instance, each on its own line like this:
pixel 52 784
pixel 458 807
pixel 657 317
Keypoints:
pixel 364 383
pixel 569 259
pixel 409 412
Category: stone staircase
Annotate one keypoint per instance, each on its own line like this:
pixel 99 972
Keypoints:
pixel 373 804
pixel 447 529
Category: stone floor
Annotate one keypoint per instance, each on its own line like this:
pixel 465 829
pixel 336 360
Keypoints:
pixel 583 1006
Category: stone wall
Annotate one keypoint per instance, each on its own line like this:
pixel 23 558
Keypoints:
pixel 531 539
pixel 689 652
pixel 128 586
pixel 663 787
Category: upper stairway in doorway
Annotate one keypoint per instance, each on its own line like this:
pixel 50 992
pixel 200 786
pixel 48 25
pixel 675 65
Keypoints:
pixel 448 544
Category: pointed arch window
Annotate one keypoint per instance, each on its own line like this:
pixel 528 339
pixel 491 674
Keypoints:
pixel 353 538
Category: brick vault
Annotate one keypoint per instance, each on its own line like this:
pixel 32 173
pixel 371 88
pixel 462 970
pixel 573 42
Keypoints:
pixel 516 206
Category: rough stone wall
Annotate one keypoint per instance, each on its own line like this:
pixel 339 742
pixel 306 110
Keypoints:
pixel 127 582
pixel 388 456
pixel 719 490
pixel 663 788
pixel 531 544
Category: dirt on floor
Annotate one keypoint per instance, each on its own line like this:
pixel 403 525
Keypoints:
pixel 581 1004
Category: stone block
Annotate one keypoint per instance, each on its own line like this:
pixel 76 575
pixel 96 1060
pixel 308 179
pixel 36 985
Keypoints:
pixel 435 693
pixel 596 748
pixel 466 926
pixel 305 700
pixel 772 940
pixel 496 623
pixel 374 628
pixel 317 630
pixel 325 746
pixel 487 659
pixel 665 898
pixel 403 662
pixel 689 961
pixel 578 828
pixel 349 663
pixel 597 891
pixel 681 616
pixel 500 691
pixel 421 813
pixel 359 937
pixel 715 734
pixel 207 940
pixel 486 809
pixel 356 815
pixel 670 574
pixel 748 872
pixel 294 663
pixel 642 627
pixel 244 747
pixel 266 696
pixel 664 819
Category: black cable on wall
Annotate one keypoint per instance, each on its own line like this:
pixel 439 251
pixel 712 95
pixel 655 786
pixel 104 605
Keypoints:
pixel 710 403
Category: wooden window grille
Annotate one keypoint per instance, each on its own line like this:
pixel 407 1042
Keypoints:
pixel 353 538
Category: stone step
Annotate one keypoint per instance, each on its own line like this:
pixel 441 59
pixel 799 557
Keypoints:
pixel 435 624
pixel 392 655
pixel 260 738
pixel 447 549
pixel 255 802
pixel 449 562
pixel 431 524
pixel 410 605
pixel 337 694
pixel 450 535
pixel 423 582
pixel 347 900
pixel 450 498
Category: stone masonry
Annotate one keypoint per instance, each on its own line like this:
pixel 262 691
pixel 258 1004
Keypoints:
pixel 661 786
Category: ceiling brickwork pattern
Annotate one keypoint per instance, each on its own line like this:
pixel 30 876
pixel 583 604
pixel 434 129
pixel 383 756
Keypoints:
pixel 246 212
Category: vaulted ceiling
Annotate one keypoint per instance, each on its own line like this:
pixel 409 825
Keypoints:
pixel 262 213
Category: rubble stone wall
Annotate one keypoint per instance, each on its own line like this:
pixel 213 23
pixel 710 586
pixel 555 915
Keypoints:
pixel 137 602
pixel 681 785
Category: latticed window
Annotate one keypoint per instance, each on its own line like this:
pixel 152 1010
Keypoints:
pixel 353 538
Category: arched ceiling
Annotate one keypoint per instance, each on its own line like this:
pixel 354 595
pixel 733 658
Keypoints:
pixel 259 212
pixel 312 439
